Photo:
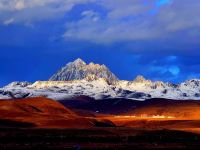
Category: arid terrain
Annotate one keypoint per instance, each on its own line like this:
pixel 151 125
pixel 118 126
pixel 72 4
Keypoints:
pixel 83 123
pixel 152 113
pixel 42 113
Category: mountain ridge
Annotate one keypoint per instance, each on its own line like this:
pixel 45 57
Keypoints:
pixel 78 70
pixel 98 82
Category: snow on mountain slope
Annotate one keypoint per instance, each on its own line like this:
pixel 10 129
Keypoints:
pixel 158 89
pixel 94 80
pixel 59 90
pixel 18 84
pixel 78 70
pixel 100 89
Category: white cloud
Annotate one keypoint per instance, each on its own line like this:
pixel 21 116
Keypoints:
pixel 20 5
pixel 172 69
pixel 8 22
pixel 94 16
pixel 26 11
pixel 129 20
pixel 125 20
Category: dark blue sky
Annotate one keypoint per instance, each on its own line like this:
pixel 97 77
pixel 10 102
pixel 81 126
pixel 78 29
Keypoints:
pixel 159 39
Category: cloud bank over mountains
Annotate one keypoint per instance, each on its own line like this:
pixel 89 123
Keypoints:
pixel 110 21
pixel 158 38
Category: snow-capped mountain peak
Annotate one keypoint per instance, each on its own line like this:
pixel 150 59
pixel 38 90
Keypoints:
pixel 79 62
pixel 97 81
pixel 192 83
pixel 141 79
pixel 79 70
pixel 18 84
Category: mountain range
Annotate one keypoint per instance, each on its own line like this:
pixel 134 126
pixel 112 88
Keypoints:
pixel 98 82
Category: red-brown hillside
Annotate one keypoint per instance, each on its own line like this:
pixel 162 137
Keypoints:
pixel 38 105
pixel 41 112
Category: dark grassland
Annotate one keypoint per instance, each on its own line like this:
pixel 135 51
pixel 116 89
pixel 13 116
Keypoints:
pixel 95 138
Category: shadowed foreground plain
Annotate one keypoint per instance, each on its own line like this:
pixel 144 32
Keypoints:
pixel 96 138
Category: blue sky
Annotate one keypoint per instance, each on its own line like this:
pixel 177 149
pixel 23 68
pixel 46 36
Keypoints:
pixel 155 38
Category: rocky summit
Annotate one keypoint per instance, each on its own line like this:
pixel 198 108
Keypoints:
pixel 78 70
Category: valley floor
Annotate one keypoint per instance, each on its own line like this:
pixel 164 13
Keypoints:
pixel 187 125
